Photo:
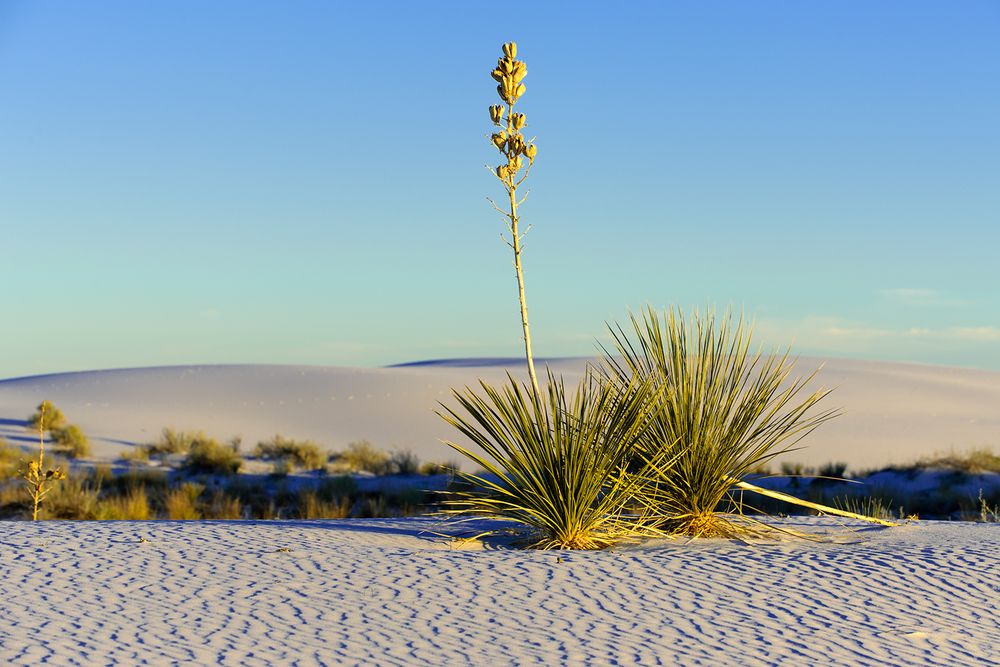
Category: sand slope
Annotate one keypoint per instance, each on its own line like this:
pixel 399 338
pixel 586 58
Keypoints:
pixel 382 592
pixel 893 412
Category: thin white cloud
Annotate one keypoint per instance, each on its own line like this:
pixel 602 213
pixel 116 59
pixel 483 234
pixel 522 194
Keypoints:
pixel 980 334
pixel 920 296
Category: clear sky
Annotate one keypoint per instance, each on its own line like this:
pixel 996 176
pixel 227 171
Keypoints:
pixel 303 182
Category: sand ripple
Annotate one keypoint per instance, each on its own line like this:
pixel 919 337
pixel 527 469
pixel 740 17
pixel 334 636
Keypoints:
pixel 382 592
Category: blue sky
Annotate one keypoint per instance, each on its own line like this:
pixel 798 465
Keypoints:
pixel 189 182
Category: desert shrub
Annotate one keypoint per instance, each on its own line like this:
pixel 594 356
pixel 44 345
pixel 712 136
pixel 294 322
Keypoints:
pixel 53 417
pixel 133 506
pixel 206 455
pixel 70 441
pixel 556 463
pixel 404 462
pixel 722 412
pixel 298 453
pixel 181 503
pixel 362 456
pixel 173 442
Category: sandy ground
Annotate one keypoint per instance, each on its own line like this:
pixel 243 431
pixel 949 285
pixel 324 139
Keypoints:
pixel 893 412
pixel 388 592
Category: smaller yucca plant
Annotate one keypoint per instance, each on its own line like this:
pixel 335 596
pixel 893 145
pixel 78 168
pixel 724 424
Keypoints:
pixel 724 411
pixel 556 463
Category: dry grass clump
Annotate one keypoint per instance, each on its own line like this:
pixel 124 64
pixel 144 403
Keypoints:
pixel 181 503
pixel 723 412
pixel 133 506
pixel 296 453
pixel 313 506
pixel 556 464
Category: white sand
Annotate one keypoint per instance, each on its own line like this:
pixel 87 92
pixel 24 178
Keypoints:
pixel 894 412
pixel 379 592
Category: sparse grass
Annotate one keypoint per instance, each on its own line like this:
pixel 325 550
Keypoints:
pixel 873 506
pixel 297 453
pixel 988 514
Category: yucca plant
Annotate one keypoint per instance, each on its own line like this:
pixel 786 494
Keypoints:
pixel 557 464
pixel 724 411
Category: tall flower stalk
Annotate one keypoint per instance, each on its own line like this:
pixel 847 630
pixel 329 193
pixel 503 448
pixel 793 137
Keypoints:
pixel 517 154
pixel 39 480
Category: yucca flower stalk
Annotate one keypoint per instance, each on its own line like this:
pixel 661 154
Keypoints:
pixel 725 411
pixel 517 153
pixel 37 478
pixel 558 464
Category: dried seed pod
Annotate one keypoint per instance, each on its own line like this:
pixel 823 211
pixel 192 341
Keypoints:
pixel 497 74
pixel 519 90
pixel 496 113
pixel 499 139
pixel 515 164
pixel 531 152
pixel 515 144
pixel 520 71
pixel 518 119
pixel 510 50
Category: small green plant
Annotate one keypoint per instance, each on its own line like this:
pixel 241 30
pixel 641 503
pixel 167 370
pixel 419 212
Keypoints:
pixel 38 478
pixel 516 152
pixel 297 453
pixel 723 412
pixel 206 455
pixel 558 464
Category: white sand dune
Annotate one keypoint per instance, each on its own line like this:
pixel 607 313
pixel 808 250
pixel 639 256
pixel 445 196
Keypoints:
pixel 894 412
pixel 384 592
